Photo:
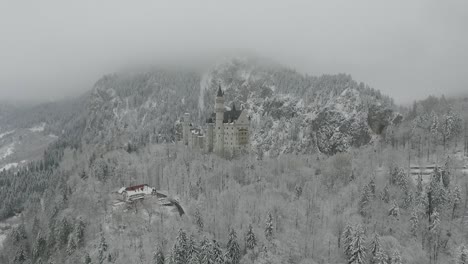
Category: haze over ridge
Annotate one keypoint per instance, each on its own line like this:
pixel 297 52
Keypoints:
pixel 51 49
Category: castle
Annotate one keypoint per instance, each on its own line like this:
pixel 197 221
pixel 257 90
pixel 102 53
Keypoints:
pixel 227 132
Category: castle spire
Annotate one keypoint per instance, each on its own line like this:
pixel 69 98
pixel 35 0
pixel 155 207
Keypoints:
pixel 220 92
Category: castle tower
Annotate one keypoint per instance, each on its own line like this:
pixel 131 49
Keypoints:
pixel 219 126
pixel 186 129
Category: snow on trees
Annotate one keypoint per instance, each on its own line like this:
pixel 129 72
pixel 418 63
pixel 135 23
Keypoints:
pixel 414 222
pixel 232 249
pixel 158 256
pixel 394 210
pixel 102 249
pixel 358 249
pixel 269 227
pixel 250 239
pixel 347 238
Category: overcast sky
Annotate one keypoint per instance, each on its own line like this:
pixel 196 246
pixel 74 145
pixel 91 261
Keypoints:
pixel 406 48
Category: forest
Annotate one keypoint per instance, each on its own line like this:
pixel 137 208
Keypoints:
pixel 360 205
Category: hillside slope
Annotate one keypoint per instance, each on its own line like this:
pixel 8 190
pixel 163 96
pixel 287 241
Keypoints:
pixel 291 112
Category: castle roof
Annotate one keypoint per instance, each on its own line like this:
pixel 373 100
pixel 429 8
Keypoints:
pixel 220 92
pixel 229 116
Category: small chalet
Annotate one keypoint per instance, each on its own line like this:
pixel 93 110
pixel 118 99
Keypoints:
pixel 136 192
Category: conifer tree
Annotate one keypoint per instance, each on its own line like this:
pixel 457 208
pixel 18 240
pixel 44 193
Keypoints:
pixel 372 186
pixel 40 246
pixel 347 238
pixel 269 227
pixel 87 259
pixel 298 190
pixel 192 251
pixel 456 200
pixel 206 252
pixel 199 220
pixel 385 196
pixel 180 249
pixel 414 222
pixel 364 201
pixel 394 210
pixel 380 257
pixel 217 253
pixel 72 245
pixel 102 249
pixel 396 257
pixel 358 250
pixel 375 246
pixel 175 257
pixel 435 223
pixel 158 257
pixel 233 250
pixel 446 173
pixel 251 240
pixel 461 256
pixel 78 232
pixel 419 186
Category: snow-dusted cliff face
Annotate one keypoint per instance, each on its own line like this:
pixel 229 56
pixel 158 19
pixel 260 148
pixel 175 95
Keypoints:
pixel 291 112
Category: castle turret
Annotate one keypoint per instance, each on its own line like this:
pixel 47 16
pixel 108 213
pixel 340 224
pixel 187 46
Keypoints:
pixel 219 126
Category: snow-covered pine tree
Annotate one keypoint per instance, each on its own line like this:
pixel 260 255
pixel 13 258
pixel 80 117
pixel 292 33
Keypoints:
pixel 250 239
pixel 72 245
pixel 102 249
pixel 63 231
pixel 364 201
pixel 358 249
pixel 380 257
pixel 199 220
pixel 191 247
pixel 232 249
pixel 206 252
pixel 385 195
pixel 347 238
pixel 408 200
pixel 269 227
pixel 396 257
pixel 298 190
pixel 456 200
pixel 461 255
pixel 446 172
pixel 217 253
pixel 87 259
pixel 434 227
pixel 419 186
pixel 414 222
pixel 78 232
pixel 40 246
pixel 158 256
pixel 394 210
pixel 175 257
pixel 372 186
pixel 375 245
pixel 180 249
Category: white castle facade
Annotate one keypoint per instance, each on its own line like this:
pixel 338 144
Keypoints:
pixel 226 133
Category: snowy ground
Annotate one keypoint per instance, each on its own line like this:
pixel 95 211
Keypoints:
pixel 6 133
pixel 38 128
pixel 7 151
pixel 9 166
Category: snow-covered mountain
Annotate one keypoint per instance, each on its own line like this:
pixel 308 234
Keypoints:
pixel 291 112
